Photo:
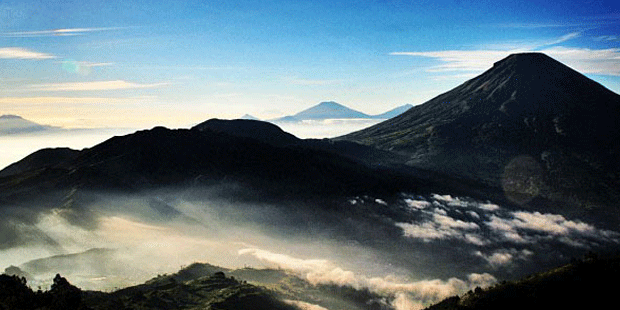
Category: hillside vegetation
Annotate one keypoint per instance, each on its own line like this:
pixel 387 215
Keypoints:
pixel 583 284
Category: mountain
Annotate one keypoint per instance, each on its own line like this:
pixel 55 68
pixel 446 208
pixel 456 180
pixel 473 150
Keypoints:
pixel 13 124
pixel 246 128
pixel 40 159
pixel 333 110
pixel 325 110
pixel 248 116
pixel 197 286
pixel 256 154
pixel 214 291
pixel 576 285
pixel 529 125
pixel 394 112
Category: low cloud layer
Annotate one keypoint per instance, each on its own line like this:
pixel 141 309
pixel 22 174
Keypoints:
pixel 406 294
pixel 488 228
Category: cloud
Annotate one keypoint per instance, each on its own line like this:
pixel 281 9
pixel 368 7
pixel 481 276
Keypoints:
pixel 584 60
pixel 407 295
pixel 22 53
pixel 537 25
pixel 72 100
pixel 593 61
pixel 564 38
pixel 442 227
pixel 418 204
pixel 99 85
pixel 457 60
pixel 82 67
pixel 482 224
pixel 56 32
pixel 304 305
pixel 607 38
pixel 504 257
pixel 524 227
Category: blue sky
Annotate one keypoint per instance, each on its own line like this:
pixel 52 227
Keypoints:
pixel 145 63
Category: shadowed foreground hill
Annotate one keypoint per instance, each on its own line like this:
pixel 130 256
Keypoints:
pixel 209 292
pixel 198 286
pixel 587 284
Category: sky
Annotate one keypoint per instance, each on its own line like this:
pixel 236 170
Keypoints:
pixel 88 64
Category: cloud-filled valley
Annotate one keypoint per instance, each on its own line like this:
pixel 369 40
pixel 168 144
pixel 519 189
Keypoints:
pixel 440 246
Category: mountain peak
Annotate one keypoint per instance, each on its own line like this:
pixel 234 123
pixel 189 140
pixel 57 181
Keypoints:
pixel 10 116
pixel 248 128
pixel 527 56
pixel 330 104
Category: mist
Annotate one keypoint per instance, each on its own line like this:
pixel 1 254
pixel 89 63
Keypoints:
pixel 329 128
pixel 438 245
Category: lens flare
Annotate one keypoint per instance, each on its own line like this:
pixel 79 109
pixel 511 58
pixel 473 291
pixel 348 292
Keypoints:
pixel 77 67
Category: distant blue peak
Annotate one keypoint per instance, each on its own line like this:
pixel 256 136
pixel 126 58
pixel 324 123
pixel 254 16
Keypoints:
pixel 330 103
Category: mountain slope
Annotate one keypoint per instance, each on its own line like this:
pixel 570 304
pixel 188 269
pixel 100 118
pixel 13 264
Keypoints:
pixel 577 285
pixel 529 124
pixel 40 159
pixel 394 112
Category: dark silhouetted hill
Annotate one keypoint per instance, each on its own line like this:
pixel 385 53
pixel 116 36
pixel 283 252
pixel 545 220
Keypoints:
pixel 584 284
pixel 40 159
pixel 246 128
pixel 251 154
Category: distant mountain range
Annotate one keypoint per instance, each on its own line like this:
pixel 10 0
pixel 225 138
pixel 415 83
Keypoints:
pixel 14 124
pixel 333 110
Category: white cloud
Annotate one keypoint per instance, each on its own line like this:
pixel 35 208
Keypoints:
pixel 584 60
pixel 56 32
pixel 73 100
pixel 408 295
pixel 607 38
pixel 441 227
pixel 562 39
pixel 483 224
pixel 456 60
pixel 418 204
pixel 22 53
pixel 505 257
pixel 99 85
pixel 525 227
pixel 304 305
